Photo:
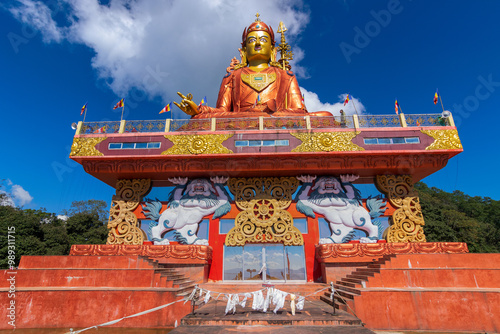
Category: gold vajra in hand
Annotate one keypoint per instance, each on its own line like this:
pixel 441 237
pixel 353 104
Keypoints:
pixel 187 105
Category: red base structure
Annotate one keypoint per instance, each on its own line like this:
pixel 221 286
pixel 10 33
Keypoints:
pixel 412 286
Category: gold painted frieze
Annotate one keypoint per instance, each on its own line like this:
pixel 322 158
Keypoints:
pixel 444 140
pixel 327 142
pixel 85 147
pixel 197 144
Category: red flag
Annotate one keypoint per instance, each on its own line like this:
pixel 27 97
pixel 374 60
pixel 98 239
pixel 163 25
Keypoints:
pixel 119 104
pixel 396 107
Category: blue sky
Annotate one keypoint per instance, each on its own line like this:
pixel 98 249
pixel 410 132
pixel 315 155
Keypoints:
pixel 56 55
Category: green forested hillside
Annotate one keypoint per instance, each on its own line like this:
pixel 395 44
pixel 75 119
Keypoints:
pixel 460 217
pixel 37 232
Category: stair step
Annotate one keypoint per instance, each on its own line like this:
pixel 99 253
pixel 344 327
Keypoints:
pixel 345 288
pixel 367 271
pixel 358 276
pixel 338 305
pixel 347 284
pixel 352 280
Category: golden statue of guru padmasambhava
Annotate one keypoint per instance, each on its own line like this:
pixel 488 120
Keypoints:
pixel 258 86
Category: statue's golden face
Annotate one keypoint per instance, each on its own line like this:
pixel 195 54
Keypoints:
pixel 258 46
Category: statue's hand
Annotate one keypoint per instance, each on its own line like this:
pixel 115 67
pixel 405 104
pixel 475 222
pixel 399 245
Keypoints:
pixel 348 178
pixel 187 105
pixel 178 180
pixel 306 178
pixel 219 179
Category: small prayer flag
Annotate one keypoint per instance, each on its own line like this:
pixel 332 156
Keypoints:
pixel 101 130
pixel 396 107
pixel 119 104
pixel 346 99
pixel 84 108
pixel 166 108
pixel 436 96
pixel 257 101
pixel 203 101
pixel 303 101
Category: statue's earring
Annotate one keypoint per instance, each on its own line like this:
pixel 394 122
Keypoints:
pixel 243 55
pixel 274 51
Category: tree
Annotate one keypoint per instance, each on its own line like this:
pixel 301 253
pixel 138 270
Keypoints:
pixel 87 222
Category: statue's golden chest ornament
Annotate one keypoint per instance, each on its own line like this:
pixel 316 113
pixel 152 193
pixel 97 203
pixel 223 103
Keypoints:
pixel 258 81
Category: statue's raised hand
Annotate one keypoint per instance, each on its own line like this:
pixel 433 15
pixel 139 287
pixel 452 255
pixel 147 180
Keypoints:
pixel 348 178
pixel 178 180
pixel 187 105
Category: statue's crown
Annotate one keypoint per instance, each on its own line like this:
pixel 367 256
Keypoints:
pixel 258 25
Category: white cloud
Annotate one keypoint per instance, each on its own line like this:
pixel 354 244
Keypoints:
pixel 162 47
pixel 314 104
pixel 62 217
pixel 38 15
pixel 20 196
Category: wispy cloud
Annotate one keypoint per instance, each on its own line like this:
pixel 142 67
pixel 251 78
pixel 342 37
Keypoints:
pixel 38 15
pixel 162 47
pixel 314 104
pixel 15 195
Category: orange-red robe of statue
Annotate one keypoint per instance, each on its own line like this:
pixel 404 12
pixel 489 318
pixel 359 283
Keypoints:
pixel 240 91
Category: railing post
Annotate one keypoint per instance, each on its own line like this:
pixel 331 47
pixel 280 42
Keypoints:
pixel 308 122
pixel 122 126
pixel 167 125
pixel 355 121
pixel 79 128
pixel 451 121
pixel 261 123
pixel 213 124
pixel 402 120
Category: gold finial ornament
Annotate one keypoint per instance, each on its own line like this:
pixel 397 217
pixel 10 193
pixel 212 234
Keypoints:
pixel 257 17
pixel 284 48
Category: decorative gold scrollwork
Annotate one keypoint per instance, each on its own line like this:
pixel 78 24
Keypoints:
pixel 85 147
pixel 122 224
pixel 406 223
pixel 264 217
pixel 443 140
pixel 197 144
pixel 327 142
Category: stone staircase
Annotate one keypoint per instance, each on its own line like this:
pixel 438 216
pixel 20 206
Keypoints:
pixel 350 286
pixel 170 277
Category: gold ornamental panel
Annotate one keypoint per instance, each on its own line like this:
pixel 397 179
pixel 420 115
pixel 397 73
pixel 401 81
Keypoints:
pixel 443 140
pixel 280 189
pixel 122 223
pixel 406 223
pixel 327 142
pixel 197 144
pixel 258 81
pixel 264 217
pixel 85 147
